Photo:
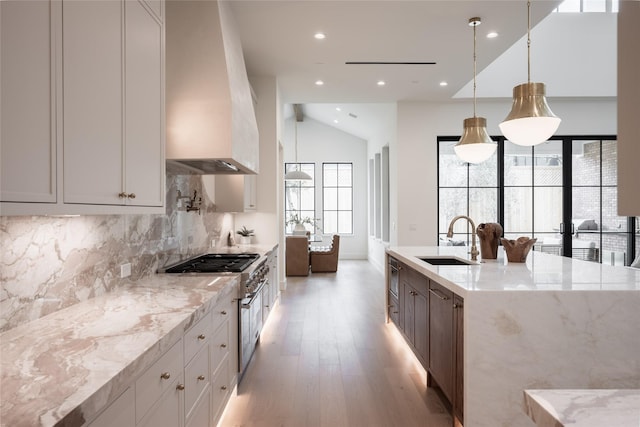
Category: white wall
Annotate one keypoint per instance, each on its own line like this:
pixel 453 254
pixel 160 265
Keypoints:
pixel 318 143
pixel 419 125
pixel 385 135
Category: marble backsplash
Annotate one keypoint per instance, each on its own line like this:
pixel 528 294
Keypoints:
pixel 48 263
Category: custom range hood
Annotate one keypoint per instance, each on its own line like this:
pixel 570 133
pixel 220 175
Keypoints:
pixel 211 123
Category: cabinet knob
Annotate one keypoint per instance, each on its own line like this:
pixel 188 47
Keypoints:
pixel 131 195
pixel 180 387
pixel 122 195
pixel 224 387
pixel 200 377
pixel 201 337
pixel 165 375
pixel 223 346
pixel 224 313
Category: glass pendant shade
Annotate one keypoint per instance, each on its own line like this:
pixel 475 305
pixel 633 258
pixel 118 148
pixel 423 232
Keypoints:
pixel 476 145
pixel 530 121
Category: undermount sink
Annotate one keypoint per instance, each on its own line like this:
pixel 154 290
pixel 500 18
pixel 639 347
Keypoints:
pixel 445 261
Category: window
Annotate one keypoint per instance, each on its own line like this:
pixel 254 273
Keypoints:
pixel 299 197
pixel 464 189
pixel 576 6
pixel 562 192
pixel 337 192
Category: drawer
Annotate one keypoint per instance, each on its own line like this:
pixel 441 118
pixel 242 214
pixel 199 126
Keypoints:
pixel 196 378
pixel 219 346
pixel 223 310
pixel 220 389
pixel 157 378
pixel 197 337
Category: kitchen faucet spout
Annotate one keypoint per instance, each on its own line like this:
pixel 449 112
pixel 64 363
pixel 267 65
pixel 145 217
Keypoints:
pixel 474 250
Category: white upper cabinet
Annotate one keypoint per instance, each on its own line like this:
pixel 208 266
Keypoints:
pixel 104 141
pixel 113 151
pixel 144 96
pixel 93 102
pixel 27 96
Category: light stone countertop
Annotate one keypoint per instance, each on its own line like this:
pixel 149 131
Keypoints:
pixel 583 408
pixel 540 272
pixel 63 368
pixel 551 322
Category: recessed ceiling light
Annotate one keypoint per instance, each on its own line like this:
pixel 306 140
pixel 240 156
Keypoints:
pixel 381 83
pixel 319 36
pixel 336 121
pixel 338 109
pixel 443 83
pixel 492 35
pixel 319 82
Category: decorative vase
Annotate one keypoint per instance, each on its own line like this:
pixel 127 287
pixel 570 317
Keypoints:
pixel 299 229
pixel 489 235
pixel 517 250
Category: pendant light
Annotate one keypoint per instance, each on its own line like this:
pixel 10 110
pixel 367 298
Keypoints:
pixel 476 145
pixel 297 174
pixel 531 121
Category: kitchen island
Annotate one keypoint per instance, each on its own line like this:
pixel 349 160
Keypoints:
pixel 549 323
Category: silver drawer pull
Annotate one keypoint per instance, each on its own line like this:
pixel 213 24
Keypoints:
pixel 223 345
pixel 224 387
pixel 201 337
pixel 180 387
pixel 200 377
pixel 437 293
pixel 165 375
pixel 224 313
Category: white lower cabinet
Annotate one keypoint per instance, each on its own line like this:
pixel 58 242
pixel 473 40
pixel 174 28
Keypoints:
pixel 201 415
pixel 191 383
pixel 121 412
pixel 168 411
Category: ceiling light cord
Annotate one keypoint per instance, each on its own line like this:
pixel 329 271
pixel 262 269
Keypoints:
pixel 474 70
pixel 528 41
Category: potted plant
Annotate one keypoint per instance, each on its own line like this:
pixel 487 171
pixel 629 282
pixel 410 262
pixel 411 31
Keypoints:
pixel 245 235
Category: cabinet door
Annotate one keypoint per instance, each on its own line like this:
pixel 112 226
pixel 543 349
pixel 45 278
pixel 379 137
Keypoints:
pixel 393 308
pixel 27 104
pixel 93 100
pixel 441 338
pixel 408 310
pixel 201 416
pixel 458 324
pixel 120 413
pixel 250 194
pixel 144 107
pixel 169 410
pixel 420 327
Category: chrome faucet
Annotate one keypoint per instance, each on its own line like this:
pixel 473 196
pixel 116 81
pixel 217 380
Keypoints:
pixel 474 250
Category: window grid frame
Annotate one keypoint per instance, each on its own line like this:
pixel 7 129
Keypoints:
pixel 337 210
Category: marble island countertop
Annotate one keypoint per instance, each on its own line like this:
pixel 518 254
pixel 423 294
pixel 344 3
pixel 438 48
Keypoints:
pixel 583 408
pixel 551 322
pixel 61 369
pixel 540 272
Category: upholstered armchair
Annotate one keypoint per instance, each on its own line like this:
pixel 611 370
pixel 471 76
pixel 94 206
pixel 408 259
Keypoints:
pixel 325 260
pixel 297 255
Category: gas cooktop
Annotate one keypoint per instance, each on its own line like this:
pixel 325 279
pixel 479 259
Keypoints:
pixel 215 263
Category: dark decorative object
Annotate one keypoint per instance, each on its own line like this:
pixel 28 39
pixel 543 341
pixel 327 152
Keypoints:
pixel 489 235
pixel 517 250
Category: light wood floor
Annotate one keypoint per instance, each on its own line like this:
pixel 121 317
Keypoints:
pixel 327 358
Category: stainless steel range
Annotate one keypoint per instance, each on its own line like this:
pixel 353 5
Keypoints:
pixel 252 280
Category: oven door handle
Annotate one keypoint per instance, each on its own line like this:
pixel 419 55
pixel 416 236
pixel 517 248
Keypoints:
pixel 247 305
